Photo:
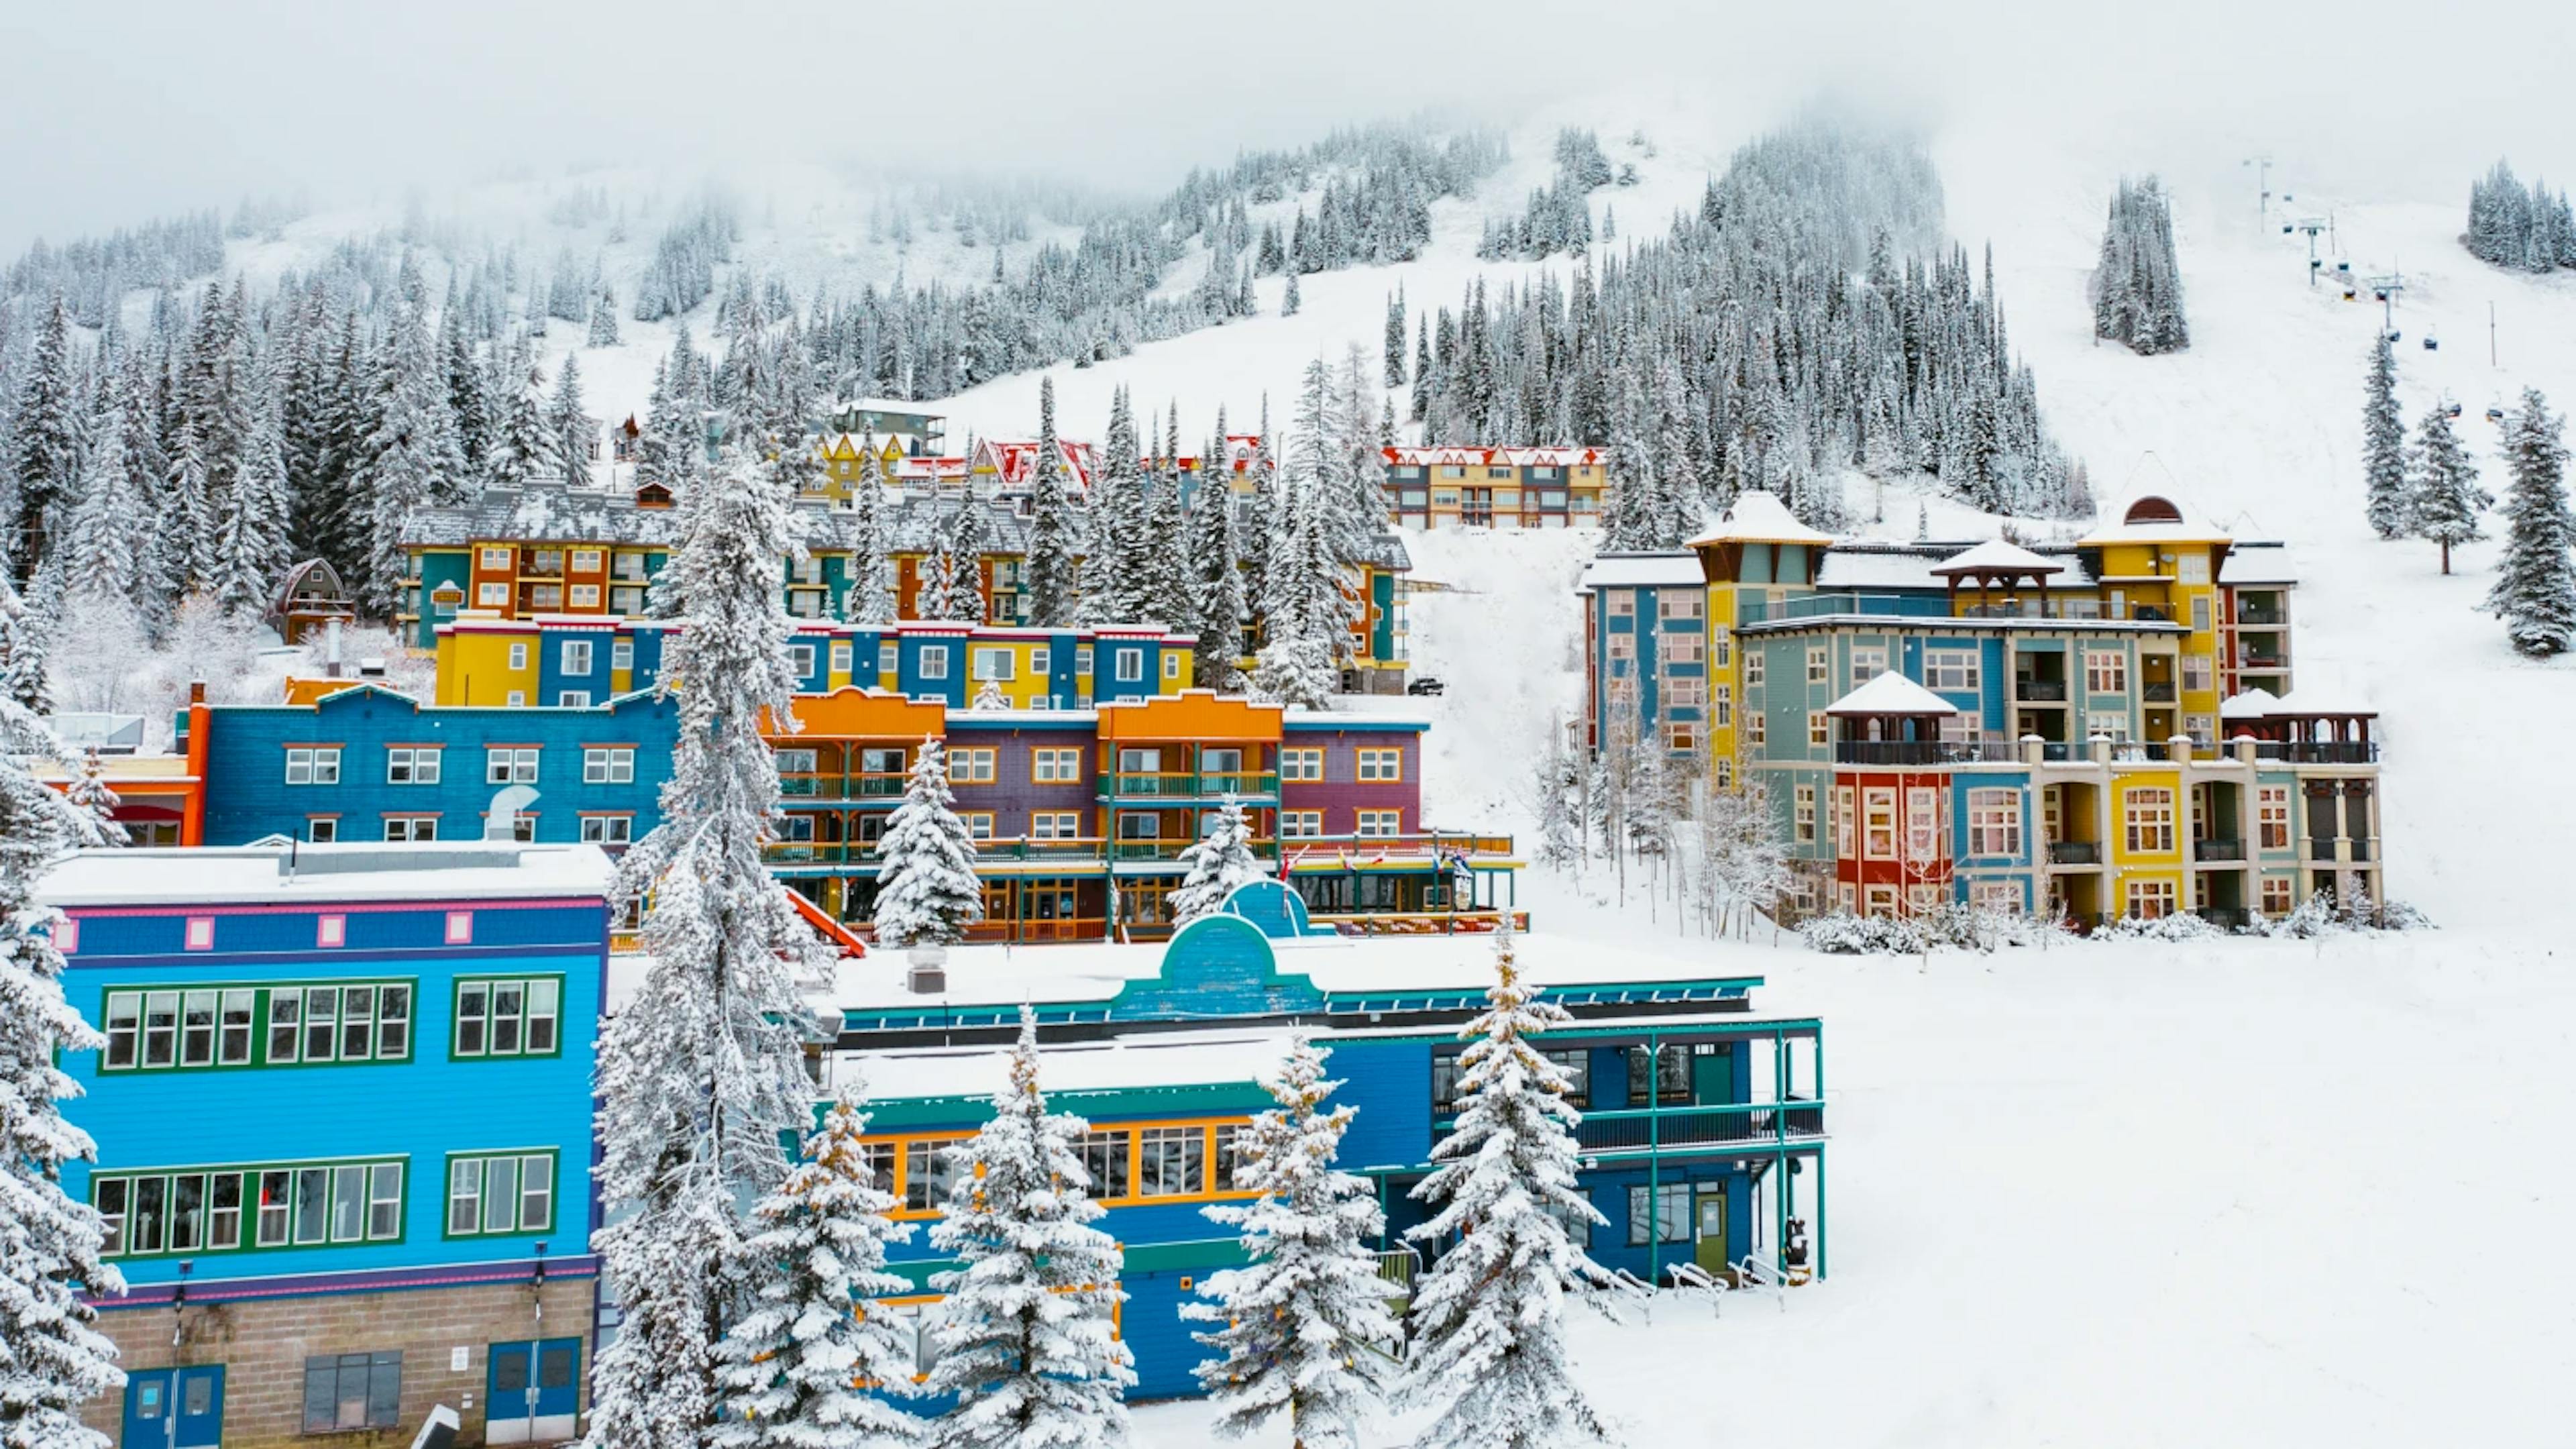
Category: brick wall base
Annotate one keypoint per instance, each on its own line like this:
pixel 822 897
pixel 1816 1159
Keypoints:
pixel 263 1344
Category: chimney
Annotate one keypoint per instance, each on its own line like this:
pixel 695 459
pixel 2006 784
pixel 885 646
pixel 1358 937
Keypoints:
pixel 926 970
pixel 196 691
pixel 331 650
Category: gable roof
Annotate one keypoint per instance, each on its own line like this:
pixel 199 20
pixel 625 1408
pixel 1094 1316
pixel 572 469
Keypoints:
pixel 1891 693
pixel 1757 516
pixel 1997 556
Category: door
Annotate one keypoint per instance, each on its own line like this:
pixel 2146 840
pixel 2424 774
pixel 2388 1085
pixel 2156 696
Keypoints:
pixel 534 1392
pixel 1708 1247
pixel 174 1408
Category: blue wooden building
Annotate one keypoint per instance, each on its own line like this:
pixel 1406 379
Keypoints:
pixel 343 1118
pixel 1703 1121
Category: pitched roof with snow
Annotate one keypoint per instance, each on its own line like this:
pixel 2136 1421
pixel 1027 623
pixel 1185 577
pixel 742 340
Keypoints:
pixel 2252 704
pixel 1642 570
pixel 1760 517
pixel 2257 562
pixel 1998 556
pixel 2152 517
pixel 1891 693
pixel 1541 456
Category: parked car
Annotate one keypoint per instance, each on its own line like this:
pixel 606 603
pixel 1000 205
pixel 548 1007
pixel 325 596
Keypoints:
pixel 1426 686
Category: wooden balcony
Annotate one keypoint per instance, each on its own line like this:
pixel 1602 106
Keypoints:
pixel 1186 784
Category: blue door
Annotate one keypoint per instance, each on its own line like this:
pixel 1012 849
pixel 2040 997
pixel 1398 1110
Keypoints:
pixel 174 1408
pixel 534 1392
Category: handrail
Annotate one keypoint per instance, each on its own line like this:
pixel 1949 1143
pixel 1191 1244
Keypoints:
pixel 1761 1276
pixel 1688 1276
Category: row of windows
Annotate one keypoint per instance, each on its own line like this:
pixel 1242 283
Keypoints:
pixel 1127 665
pixel 602 829
pixel 304 1205
pixel 498 557
pixel 1671 1069
pixel 1125 1164
pixel 425 764
pixel 286 1024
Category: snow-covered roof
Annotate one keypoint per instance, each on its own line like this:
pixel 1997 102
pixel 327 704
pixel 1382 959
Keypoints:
pixel 2257 562
pixel 318 874
pixel 1866 565
pixel 1891 693
pixel 1757 516
pixel 1998 556
pixel 1642 570
pixel 2152 516
pixel 1525 457
pixel 2321 699
pixel 542 511
pixel 2252 704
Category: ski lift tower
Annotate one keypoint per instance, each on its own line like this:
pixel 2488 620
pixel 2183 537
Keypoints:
pixel 2386 289
pixel 2262 164
pixel 2314 226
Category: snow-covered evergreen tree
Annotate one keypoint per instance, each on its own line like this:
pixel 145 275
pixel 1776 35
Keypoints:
pixel 927 889
pixel 1026 1344
pixel 603 319
pixel 1304 1324
pixel 872 593
pixel 106 543
pixel 1216 569
pixel 960 563
pixel 23 642
pixel 2137 288
pixel 1296 662
pixel 52 1358
pixel 802 1369
pixel 702 1073
pixel 989 696
pixel 1053 526
pixel 412 457
pixel 2383 444
pixel 570 433
pixel 47 437
pixel 1288 301
pixel 88 789
pixel 2535 587
pixel 1221 860
pixel 251 524
pixel 1488 1350
pixel 2443 496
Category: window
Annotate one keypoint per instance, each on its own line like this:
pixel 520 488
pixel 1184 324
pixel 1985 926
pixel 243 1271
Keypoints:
pixel 2196 671
pixel 2277 893
pixel 1677 604
pixel 508 1017
pixel 2109 724
pixel 1301 765
pixel 608 829
pixel 1844 839
pixel 518 656
pixel 352 1391
pixel 2272 816
pixel 1997 897
pixel 1682 737
pixel 201 1209
pixel 1055 764
pixel 255 1026
pixel 2106 671
pixel 2151 900
pixel 1923 823
pixel 1670 1221
pixel 1381 823
pixel 1721 705
pixel 1131 665
pixel 1994 822
pixel 934 661
pixel 1300 824
pixel 607 764
pixel 1082 659
pixel 889 659
pixel 322 829
pixel 495 558
pixel 200 933
pixel 928 1172
pixel 1623 646
pixel 1672 1075
pixel 576 656
pixel 1878 807
pixel 1806 812
pixel 979 824
pixel 1752 668
pixel 800 660
pixel 621 655
pixel 411 765
pixel 1867 663
pixel 1171 1162
pixel 994 663
pixel 329 931
pixel 1623 603
pixel 1954 669
pixel 1678 649
pixel 1105 1159
pixel 1755 728
pixel 1816 670
pixel 2149 814
pixel 495 1193
pixel 1820 730
pixel 972 766
pixel 1685 693
pixel 585 560
pixel 1055 825
pixel 491 595
pixel 1381 766
pixel 573 698
pixel 1171 666
pixel 411 827
pixel 313 765
pixel 510 765
pixel 2200 608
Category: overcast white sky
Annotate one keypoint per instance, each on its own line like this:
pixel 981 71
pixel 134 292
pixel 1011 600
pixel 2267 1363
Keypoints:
pixel 118 110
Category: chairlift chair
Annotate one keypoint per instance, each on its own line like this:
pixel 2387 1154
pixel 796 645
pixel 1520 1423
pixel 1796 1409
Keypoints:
pixel 2455 410
pixel 2432 343
pixel 2495 415
pixel 2350 295
pixel 2394 334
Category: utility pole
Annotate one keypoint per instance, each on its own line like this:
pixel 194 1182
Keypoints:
pixel 2262 164
pixel 2491 337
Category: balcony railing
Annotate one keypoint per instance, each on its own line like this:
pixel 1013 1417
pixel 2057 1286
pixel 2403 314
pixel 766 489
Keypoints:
pixel 1086 849
pixel 2040 691
pixel 1149 848
pixel 2318 752
pixel 819 852
pixel 2074 852
pixel 2157 692
pixel 1925 752
pixel 2218 849
pixel 1650 1129
pixel 1187 784
pixel 1297 848
pixel 2254 617
pixel 834 785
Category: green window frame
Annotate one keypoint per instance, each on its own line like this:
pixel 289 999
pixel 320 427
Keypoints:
pixel 230 1026
pixel 250 1207
pixel 493 1194
pixel 500 1018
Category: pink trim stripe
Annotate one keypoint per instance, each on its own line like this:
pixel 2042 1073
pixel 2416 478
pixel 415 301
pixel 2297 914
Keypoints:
pixel 338 907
